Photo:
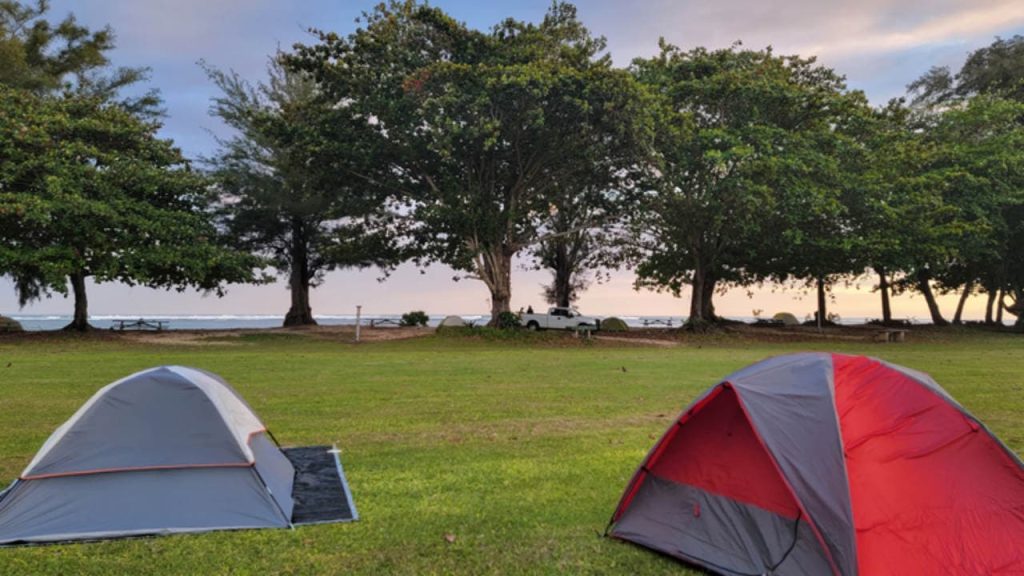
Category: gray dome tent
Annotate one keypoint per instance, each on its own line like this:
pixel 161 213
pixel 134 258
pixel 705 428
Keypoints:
pixel 166 450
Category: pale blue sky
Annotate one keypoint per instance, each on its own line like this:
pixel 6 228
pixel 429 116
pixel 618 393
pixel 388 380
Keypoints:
pixel 880 45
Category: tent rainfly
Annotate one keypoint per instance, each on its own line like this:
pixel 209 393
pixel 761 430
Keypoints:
pixel 815 464
pixel 166 450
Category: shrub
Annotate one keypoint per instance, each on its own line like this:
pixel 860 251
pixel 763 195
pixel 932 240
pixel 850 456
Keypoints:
pixel 614 324
pixel 415 318
pixel 508 320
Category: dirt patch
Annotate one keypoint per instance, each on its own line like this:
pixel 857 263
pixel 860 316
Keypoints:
pixel 738 332
pixel 251 335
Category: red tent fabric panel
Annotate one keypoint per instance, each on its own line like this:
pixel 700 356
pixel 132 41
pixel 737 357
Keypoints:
pixel 715 449
pixel 932 491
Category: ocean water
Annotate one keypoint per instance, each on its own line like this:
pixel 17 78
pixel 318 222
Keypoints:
pixel 230 322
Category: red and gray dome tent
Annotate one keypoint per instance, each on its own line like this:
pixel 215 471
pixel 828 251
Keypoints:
pixel 818 464
pixel 167 450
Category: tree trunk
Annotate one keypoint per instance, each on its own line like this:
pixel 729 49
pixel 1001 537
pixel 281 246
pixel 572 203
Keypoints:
pixel 80 321
pixel 563 277
pixel 699 308
pixel 989 305
pixel 563 290
pixel 708 299
pixel 999 306
pixel 883 287
pixel 822 313
pixel 923 278
pixel 1016 307
pixel 958 317
pixel 702 306
pixel 496 272
pixel 299 277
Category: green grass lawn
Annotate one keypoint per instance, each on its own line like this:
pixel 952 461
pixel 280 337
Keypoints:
pixel 520 451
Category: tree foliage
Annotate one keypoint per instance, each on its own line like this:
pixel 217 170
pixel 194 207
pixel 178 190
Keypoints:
pixel 481 127
pixel 288 181
pixel 968 121
pixel 743 137
pixel 47 57
pixel 980 164
pixel 88 191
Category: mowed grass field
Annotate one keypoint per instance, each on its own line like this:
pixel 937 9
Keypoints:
pixel 464 456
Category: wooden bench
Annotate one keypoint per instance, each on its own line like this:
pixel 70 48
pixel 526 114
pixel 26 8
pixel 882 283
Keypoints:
pixel 656 322
pixel 584 331
pixel 378 322
pixel 140 324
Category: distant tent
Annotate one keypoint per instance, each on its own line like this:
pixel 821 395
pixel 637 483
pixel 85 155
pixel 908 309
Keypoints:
pixel 614 324
pixel 786 318
pixel 452 322
pixel 10 325
pixel 814 464
pixel 166 450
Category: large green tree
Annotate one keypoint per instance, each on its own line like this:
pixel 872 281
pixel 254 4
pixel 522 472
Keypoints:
pixel 482 127
pixel 584 236
pixel 816 241
pixel 292 181
pixel 980 162
pixel 87 190
pixel 960 128
pixel 938 203
pixel 742 134
pixel 887 197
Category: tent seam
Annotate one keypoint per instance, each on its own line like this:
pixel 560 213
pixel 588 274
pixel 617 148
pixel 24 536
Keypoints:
pixel 785 481
pixel 846 472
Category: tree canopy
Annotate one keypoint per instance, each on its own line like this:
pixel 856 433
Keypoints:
pixel 290 181
pixel 743 136
pixel 480 127
pixel 47 57
pixel 417 137
pixel 996 69
pixel 87 190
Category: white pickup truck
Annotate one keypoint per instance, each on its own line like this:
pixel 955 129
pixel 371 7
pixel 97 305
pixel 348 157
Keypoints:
pixel 559 318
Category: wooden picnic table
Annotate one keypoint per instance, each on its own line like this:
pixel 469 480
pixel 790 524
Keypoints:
pixel 375 322
pixel 656 322
pixel 140 324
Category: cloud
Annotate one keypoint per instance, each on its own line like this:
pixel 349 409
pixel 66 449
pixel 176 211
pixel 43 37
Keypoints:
pixel 835 29
pixel 970 21
pixel 880 45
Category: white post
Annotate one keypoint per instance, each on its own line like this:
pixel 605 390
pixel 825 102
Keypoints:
pixel 359 314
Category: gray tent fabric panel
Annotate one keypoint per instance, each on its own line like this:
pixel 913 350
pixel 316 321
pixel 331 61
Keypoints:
pixel 791 402
pixel 275 470
pixel 727 536
pixel 131 503
pixel 223 383
pixel 158 418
